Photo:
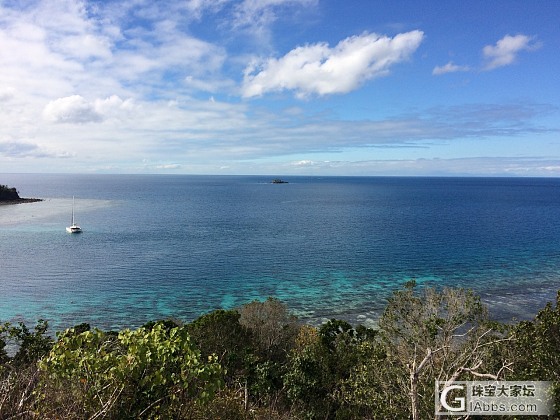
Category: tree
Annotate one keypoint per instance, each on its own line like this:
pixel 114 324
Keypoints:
pixel 374 386
pixel 536 349
pixel 437 336
pixel 18 372
pixel 219 332
pixel 3 341
pixel 308 379
pixel 31 346
pixel 272 326
pixel 320 362
pixel 272 330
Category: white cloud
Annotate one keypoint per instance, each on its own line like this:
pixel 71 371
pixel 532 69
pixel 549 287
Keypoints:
pixel 112 106
pixel 487 165
pixel 506 50
pixel 62 28
pixel 7 93
pixel 319 69
pixel 55 49
pixel 209 85
pixel 47 50
pixel 449 68
pixel 303 163
pixel 18 149
pixel 503 53
pixel 84 46
pixel 76 110
pixel 196 8
pixel 168 166
pixel 71 109
pixel 258 15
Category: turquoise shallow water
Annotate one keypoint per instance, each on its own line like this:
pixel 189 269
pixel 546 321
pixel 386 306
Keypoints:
pixel 160 246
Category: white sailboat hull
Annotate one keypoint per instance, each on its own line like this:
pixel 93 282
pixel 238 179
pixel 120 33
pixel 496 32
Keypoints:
pixel 74 229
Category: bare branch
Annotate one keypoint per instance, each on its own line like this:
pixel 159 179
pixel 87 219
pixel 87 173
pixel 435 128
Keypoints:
pixel 463 335
pixel 480 375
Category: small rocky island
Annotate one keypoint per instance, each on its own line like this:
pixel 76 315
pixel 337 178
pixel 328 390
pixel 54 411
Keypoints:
pixel 11 196
pixel 279 181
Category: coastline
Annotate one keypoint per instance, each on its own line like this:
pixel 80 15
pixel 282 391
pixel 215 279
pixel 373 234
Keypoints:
pixel 20 201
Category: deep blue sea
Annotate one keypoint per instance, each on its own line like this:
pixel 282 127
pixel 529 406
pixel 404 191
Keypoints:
pixel 158 246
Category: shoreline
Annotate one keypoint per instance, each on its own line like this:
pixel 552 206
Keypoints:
pixel 20 201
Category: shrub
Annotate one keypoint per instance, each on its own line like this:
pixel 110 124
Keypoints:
pixel 155 373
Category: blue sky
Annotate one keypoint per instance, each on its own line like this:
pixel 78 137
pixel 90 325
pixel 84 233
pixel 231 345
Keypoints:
pixel 283 87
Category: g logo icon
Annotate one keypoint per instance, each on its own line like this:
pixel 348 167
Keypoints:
pixel 460 400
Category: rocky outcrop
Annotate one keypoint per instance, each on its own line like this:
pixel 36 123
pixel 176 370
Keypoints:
pixel 8 194
pixel 11 196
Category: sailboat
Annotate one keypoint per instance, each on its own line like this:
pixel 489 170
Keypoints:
pixel 74 228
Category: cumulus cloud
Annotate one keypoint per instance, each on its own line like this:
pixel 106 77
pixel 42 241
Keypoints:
pixel 76 110
pixel 506 50
pixel 321 70
pixel 449 68
pixel 503 53
pixel 112 105
pixel 71 109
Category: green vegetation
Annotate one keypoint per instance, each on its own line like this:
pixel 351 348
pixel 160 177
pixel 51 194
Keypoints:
pixel 258 362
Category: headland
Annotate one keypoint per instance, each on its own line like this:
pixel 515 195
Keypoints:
pixel 11 196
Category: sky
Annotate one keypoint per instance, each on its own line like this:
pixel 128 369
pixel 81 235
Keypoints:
pixel 281 87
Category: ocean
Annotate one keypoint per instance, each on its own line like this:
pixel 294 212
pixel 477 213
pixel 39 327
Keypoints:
pixel 161 246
